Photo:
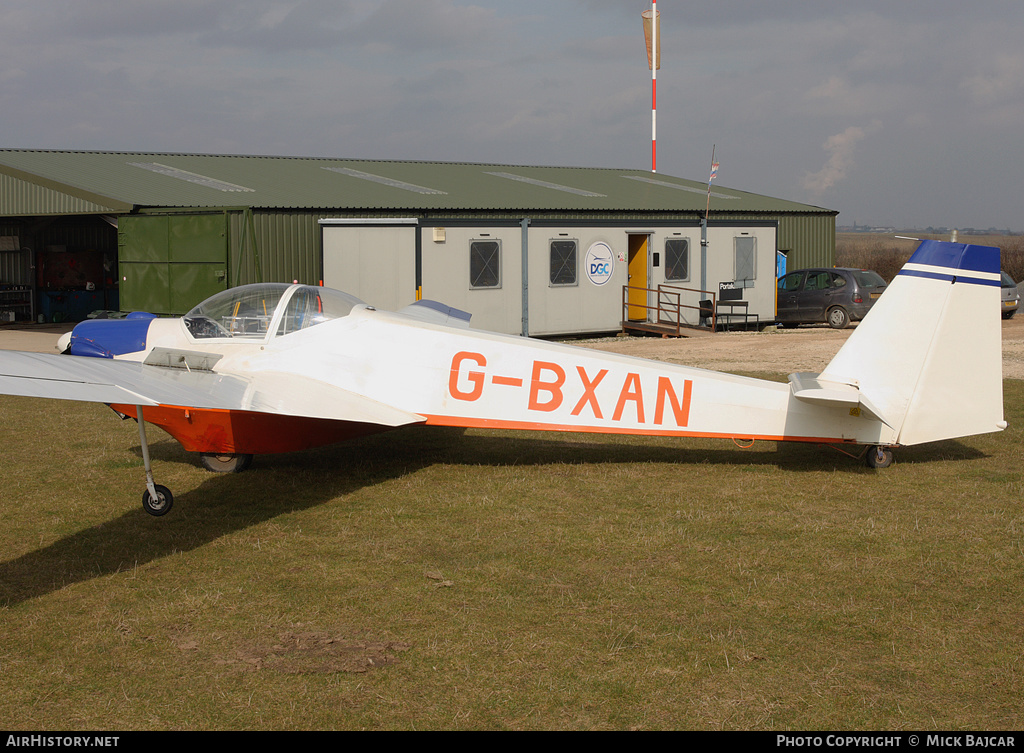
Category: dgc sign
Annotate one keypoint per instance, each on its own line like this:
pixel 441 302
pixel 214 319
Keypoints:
pixel 599 263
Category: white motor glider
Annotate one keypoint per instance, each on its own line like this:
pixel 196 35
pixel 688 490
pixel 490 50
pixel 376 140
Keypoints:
pixel 269 368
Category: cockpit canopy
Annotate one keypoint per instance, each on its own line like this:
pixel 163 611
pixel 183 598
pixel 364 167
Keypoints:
pixel 251 311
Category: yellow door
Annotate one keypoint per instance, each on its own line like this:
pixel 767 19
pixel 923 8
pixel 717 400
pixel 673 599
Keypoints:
pixel 637 269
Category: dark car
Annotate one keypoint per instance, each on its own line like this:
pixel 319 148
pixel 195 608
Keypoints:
pixel 836 295
pixel 1011 298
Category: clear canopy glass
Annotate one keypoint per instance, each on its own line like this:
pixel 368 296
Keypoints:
pixel 250 311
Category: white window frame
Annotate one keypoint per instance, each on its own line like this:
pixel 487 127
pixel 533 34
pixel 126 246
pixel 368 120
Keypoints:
pixel 744 282
pixel 666 264
pixel 497 284
pixel 575 263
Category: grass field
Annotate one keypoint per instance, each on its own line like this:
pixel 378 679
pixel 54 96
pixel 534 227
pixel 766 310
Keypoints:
pixel 433 579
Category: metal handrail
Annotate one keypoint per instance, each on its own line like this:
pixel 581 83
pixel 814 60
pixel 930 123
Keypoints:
pixel 669 305
pixel 706 294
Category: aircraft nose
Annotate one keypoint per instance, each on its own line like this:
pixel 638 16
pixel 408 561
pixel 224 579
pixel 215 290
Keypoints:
pixel 106 338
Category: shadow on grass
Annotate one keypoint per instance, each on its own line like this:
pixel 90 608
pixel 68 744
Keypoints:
pixel 281 484
pixel 420 446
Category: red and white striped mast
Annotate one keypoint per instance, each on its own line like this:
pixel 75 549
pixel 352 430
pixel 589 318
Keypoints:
pixel 651 31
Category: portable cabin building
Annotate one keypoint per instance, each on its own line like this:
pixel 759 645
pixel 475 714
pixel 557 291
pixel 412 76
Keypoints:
pixel 552 276
pixel 526 250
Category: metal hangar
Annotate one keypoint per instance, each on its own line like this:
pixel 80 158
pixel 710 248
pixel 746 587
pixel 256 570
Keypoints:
pixel 525 249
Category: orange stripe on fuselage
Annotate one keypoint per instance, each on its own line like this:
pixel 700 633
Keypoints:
pixel 491 423
pixel 235 432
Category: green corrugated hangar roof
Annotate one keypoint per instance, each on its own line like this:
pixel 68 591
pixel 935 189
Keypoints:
pixel 65 182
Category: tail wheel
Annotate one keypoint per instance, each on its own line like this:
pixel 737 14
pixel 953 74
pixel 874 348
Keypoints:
pixel 225 463
pixel 879 457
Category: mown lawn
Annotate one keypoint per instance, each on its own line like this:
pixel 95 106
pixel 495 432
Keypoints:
pixel 434 579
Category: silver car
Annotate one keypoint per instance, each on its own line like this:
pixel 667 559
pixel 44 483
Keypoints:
pixel 1011 298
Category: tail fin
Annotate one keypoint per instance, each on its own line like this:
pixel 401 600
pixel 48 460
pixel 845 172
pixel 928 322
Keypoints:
pixel 928 356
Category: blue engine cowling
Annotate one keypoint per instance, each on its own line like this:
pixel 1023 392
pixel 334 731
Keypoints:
pixel 106 338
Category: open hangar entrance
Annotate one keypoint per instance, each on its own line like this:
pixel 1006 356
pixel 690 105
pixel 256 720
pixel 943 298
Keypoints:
pixel 57 268
pixel 65 268
pixel 551 277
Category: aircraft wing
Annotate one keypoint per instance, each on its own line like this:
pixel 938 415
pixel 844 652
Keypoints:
pixel 104 380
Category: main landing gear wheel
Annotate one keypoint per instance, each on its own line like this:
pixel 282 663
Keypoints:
pixel 225 463
pixel 161 505
pixel 156 500
pixel 879 457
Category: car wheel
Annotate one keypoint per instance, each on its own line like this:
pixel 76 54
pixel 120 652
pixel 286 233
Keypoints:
pixel 838 318
pixel 1008 314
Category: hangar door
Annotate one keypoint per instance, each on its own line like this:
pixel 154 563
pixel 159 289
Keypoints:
pixel 374 260
pixel 170 263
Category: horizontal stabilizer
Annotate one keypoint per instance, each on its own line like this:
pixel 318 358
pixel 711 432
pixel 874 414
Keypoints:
pixel 809 388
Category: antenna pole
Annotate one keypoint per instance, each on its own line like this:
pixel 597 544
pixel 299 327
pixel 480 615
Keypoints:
pixel 654 86
pixel 704 226
pixel 711 177
pixel 651 34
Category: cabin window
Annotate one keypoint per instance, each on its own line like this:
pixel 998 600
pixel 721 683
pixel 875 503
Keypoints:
pixel 485 264
pixel 746 261
pixel 677 259
pixel 563 263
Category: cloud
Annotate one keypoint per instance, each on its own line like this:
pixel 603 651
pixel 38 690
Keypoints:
pixel 544 82
pixel 840 148
pixel 997 80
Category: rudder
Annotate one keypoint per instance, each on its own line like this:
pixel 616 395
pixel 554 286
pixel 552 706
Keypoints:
pixel 928 355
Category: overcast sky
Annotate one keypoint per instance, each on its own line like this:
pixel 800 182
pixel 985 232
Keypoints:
pixel 891 112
